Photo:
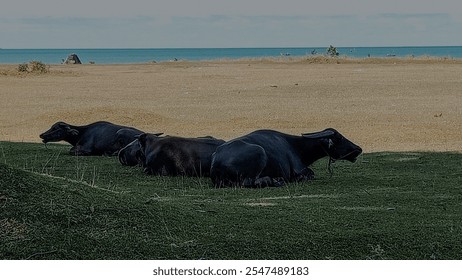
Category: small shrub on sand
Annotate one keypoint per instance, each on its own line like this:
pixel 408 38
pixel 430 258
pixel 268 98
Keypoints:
pixel 33 67
pixel 38 67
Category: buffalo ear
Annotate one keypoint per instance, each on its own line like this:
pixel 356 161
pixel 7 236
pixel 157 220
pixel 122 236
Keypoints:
pixel 73 132
pixel 62 125
pixel 321 134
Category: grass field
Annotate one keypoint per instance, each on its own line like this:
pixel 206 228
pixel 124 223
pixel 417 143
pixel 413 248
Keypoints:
pixel 385 206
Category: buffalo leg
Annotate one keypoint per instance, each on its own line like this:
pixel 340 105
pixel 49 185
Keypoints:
pixel 79 151
pixel 305 175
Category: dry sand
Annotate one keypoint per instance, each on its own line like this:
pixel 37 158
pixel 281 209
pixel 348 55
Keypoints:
pixel 384 105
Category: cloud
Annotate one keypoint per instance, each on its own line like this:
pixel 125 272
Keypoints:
pixel 385 29
pixel 427 16
pixel 75 32
pixel 78 22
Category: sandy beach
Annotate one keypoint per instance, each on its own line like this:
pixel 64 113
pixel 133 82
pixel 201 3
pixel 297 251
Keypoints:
pixel 382 105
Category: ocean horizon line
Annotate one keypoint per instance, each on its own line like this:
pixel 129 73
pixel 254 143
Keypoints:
pixel 199 48
pixel 143 55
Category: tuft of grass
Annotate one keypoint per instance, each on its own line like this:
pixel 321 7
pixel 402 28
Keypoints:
pixel 385 206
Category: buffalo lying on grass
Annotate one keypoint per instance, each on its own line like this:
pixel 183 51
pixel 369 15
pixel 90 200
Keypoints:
pixel 271 158
pixel 173 156
pixel 99 138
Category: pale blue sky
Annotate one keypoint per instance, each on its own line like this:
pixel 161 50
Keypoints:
pixel 219 23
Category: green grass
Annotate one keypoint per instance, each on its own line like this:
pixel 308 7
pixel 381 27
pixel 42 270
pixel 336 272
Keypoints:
pixel 385 206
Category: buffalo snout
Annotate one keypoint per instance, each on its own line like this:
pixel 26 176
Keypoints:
pixel 351 153
pixel 354 154
pixel 45 137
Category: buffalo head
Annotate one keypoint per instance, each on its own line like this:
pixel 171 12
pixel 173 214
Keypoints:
pixel 133 153
pixel 58 132
pixel 336 145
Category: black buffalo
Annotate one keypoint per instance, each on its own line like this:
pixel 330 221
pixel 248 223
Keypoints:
pixel 99 138
pixel 172 156
pixel 267 157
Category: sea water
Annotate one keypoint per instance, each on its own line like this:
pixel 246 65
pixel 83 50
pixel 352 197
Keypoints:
pixel 124 56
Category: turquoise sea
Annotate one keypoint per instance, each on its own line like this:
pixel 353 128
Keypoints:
pixel 116 56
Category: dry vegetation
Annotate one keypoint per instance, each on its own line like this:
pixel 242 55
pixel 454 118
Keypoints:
pixel 382 104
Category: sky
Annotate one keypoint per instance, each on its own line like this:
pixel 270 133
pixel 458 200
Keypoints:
pixel 228 23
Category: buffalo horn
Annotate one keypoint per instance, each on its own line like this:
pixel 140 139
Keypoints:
pixel 317 135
